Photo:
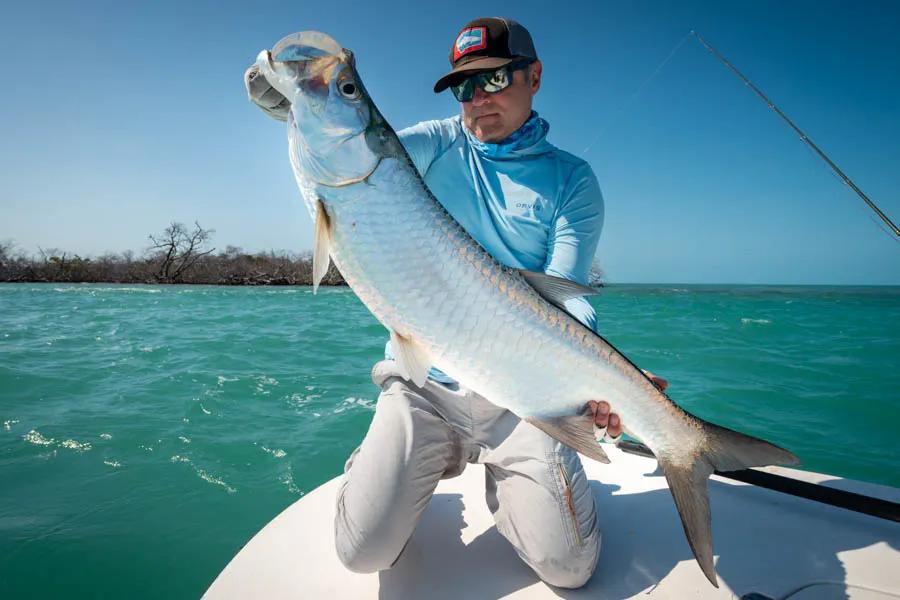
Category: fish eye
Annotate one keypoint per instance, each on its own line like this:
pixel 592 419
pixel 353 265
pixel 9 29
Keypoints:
pixel 349 89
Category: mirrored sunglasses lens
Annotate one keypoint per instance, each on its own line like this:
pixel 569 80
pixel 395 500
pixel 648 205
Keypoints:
pixel 464 90
pixel 496 81
pixel 491 83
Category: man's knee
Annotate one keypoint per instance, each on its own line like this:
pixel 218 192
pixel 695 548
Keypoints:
pixel 569 569
pixel 366 557
pixel 359 552
pixel 390 477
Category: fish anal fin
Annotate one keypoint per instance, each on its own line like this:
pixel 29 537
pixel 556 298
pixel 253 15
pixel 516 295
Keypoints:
pixel 322 247
pixel 688 474
pixel 411 358
pixel 556 290
pixel 576 432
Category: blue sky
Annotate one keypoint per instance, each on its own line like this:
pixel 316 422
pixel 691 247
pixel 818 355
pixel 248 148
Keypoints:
pixel 118 118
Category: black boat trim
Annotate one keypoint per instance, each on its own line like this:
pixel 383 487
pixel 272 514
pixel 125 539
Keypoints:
pixel 868 505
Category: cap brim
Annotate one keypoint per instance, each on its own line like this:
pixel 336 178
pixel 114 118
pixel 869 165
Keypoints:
pixel 459 72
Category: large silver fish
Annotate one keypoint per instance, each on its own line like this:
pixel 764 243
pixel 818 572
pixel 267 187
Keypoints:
pixel 447 302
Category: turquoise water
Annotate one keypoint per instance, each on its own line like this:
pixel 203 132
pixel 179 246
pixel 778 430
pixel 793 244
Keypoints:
pixel 146 433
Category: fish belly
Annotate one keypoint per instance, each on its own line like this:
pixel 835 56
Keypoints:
pixel 425 278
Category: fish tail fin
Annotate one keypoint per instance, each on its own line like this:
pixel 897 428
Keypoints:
pixel 687 475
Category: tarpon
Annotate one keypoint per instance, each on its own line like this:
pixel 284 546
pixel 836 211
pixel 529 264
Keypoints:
pixel 446 302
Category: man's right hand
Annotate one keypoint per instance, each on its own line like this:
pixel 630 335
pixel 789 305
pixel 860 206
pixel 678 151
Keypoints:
pixel 263 95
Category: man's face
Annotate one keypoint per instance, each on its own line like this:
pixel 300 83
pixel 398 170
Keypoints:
pixel 494 117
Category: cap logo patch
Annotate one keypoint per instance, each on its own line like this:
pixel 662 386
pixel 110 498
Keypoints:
pixel 469 40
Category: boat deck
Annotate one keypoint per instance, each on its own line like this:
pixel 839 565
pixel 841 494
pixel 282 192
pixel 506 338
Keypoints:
pixel 765 542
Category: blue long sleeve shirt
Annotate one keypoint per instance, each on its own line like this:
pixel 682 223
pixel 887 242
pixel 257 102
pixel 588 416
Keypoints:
pixel 529 204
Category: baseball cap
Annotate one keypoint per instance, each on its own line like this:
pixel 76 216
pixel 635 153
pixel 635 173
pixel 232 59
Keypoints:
pixel 485 44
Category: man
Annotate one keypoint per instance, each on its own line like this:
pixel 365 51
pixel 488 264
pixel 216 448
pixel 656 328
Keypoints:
pixel 532 206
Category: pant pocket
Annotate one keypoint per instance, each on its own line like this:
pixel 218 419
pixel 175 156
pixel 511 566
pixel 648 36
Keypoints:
pixel 567 501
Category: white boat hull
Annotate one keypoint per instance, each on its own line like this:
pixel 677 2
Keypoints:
pixel 766 542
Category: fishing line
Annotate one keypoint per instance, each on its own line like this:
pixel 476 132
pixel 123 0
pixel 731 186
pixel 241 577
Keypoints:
pixel 634 95
pixel 844 178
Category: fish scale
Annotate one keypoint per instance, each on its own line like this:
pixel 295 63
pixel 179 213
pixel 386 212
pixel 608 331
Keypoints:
pixel 497 331
pixel 450 300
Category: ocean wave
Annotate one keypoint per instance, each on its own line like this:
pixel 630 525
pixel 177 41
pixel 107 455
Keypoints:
pixel 133 289
pixel 7 425
pixel 112 463
pixel 202 474
pixel 299 400
pixel 35 437
pixel 836 359
pixel 76 445
pixel 351 402
pixel 93 290
pixel 214 480
pixel 264 382
pixel 746 321
pixel 277 452
pixel 288 480
pixel 221 379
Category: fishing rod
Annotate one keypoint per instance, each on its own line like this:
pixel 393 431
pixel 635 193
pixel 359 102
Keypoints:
pixel 799 132
pixel 876 507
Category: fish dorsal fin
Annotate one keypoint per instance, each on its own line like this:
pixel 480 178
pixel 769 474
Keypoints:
pixel 321 257
pixel 411 358
pixel 556 290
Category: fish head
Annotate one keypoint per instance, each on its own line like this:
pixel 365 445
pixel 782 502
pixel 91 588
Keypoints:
pixel 332 122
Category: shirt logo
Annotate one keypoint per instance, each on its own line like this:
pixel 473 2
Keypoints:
pixel 469 40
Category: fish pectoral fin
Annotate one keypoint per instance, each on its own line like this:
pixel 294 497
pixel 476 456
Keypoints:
pixel 411 358
pixel 556 290
pixel 322 248
pixel 687 475
pixel 576 432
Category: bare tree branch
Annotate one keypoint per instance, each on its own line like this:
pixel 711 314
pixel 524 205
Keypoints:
pixel 178 250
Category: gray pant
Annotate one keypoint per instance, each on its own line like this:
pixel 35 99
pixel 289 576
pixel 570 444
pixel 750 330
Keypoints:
pixel 536 487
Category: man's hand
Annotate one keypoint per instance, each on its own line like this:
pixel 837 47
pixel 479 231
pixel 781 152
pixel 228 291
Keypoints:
pixel 265 96
pixel 608 424
pixel 659 382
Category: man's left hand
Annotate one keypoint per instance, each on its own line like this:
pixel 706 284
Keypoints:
pixel 604 419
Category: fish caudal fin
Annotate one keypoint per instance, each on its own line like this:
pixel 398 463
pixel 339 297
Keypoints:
pixel 687 475
pixel 576 432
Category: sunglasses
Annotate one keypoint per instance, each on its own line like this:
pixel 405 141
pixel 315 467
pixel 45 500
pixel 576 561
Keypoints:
pixel 490 82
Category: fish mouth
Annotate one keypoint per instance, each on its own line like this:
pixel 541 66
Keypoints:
pixel 303 61
pixel 306 46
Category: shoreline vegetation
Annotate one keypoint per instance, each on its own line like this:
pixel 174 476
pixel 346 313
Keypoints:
pixel 177 255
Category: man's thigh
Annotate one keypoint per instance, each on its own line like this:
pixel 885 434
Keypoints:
pixel 390 478
pixel 543 504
